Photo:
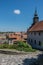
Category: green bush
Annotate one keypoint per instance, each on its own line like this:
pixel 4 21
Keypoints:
pixel 21 46
pixel 3 46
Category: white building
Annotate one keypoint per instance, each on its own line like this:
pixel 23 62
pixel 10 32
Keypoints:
pixel 2 38
pixel 35 33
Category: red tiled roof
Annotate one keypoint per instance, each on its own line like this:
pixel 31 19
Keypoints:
pixel 17 37
pixel 12 36
pixel 37 27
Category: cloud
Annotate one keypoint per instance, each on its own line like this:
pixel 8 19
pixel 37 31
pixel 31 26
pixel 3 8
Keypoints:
pixel 17 11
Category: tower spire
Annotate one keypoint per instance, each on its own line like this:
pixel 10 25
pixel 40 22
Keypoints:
pixel 35 14
pixel 35 18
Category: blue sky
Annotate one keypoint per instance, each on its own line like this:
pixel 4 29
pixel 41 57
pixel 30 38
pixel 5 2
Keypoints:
pixel 16 15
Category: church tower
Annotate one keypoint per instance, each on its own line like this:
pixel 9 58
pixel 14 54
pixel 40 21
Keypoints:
pixel 35 18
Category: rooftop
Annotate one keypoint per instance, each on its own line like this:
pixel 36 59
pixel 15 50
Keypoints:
pixel 37 27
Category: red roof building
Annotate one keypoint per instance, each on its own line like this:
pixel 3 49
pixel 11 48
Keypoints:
pixel 35 33
pixel 17 36
pixel 37 27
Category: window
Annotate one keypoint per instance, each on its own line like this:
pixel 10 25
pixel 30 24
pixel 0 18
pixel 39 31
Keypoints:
pixel 35 41
pixel 34 33
pixel 21 36
pixel 31 40
pixel 39 43
pixel 39 33
pixel 15 38
pixel 31 32
pixel 25 38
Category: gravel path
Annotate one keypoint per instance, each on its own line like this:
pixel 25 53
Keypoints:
pixel 24 59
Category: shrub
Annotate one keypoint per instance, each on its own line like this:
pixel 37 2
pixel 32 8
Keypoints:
pixel 21 46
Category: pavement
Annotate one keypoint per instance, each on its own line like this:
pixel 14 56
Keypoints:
pixel 19 59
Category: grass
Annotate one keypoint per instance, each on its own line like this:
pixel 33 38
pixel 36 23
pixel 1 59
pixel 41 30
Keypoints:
pixel 20 46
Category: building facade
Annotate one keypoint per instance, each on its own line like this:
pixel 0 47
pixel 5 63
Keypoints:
pixel 12 37
pixel 17 36
pixel 2 38
pixel 35 33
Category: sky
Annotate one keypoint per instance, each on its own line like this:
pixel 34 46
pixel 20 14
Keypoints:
pixel 17 15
